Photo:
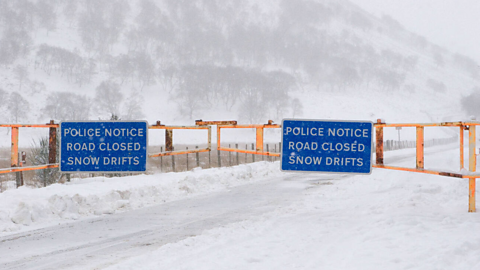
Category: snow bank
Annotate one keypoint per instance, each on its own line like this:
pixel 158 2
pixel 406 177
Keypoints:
pixel 388 220
pixel 27 208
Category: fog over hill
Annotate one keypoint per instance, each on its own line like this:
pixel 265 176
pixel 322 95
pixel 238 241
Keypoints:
pixel 181 60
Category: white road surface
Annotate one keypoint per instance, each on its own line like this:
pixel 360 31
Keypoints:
pixel 99 242
pixel 262 219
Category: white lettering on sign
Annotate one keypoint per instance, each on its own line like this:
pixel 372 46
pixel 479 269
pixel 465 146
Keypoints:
pixel 83 161
pixel 347 147
pixel 109 132
pixel 82 132
pixel 301 131
pixel 348 132
pixel 329 161
pixel 80 146
pixel 121 161
pixel 327 146
pixel 107 145
pixel 119 146
pixel 123 132
pixel 302 146
pixel 305 160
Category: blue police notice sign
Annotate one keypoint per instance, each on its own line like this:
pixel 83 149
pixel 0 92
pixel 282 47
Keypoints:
pixel 111 146
pixel 326 146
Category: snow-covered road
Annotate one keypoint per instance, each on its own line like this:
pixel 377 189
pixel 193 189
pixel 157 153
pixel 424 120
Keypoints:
pixel 248 217
pixel 105 240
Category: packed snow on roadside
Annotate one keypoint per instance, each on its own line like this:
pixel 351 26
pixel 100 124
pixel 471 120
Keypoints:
pixel 30 208
pixel 386 220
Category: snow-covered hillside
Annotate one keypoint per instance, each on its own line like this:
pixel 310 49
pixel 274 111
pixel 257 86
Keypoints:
pixel 250 61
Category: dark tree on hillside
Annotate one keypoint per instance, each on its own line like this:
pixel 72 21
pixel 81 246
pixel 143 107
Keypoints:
pixel 21 73
pixel 13 44
pixel 144 69
pixel 77 69
pixel 191 96
pixel 439 60
pixel 108 99
pixel 468 65
pixel 436 86
pixel 470 102
pixel 17 107
pixel 3 112
pixel 123 67
pixel 133 107
pixel 297 107
pixel 100 25
pixel 47 18
pixel 67 106
pixel 361 21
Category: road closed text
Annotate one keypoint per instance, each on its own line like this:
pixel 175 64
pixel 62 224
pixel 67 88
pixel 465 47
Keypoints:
pixel 328 161
pixel 326 146
pixel 103 146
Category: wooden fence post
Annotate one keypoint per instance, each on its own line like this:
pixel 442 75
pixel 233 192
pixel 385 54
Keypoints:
pixel 246 155
pixel 197 157
pixel 236 146
pixel 253 155
pixel 173 161
pixel 268 158
pixel 379 143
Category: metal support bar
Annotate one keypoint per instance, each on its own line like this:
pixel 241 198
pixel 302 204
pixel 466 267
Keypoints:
pixel 168 140
pixel 180 152
pixel 462 154
pixel 259 139
pixel 52 144
pixel 214 123
pixel 259 131
pixel 14 148
pixel 14 154
pixel 379 143
pixel 449 174
pixel 29 168
pixel 250 152
pixel 420 147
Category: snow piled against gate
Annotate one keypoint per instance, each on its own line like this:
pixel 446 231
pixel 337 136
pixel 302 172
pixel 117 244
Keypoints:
pixel 29 208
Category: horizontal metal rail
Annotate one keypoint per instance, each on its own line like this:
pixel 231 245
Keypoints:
pixel 259 139
pixel 249 152
pixel 180 152
pixel 420 144
pixel 169 140
pixel 28 168
pixel 214 123
pixel 449 174
pixel 30 125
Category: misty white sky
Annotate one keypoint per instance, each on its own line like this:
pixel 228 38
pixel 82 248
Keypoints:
pixel 454 24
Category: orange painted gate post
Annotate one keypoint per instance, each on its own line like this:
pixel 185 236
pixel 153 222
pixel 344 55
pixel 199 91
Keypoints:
pixel 472 160
pixel 52 149
pixel 14 154
pixel 379 143
pixel 420 147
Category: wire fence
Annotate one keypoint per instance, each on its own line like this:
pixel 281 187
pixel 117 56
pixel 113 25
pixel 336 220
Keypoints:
pixel 187 162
